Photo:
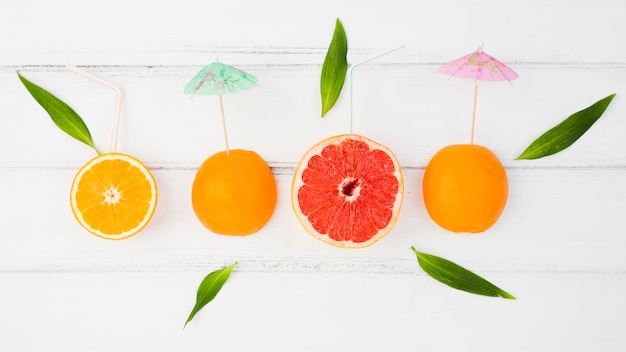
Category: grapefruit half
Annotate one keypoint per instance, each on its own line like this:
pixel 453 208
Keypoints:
pixel 347 191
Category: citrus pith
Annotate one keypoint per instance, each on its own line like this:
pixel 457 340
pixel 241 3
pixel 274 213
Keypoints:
pixel 234 193
pixel 465 188
pixel 347 191
pixel 113 196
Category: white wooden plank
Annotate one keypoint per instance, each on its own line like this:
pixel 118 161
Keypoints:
pixel 412 109
pixel 545 227
pixel 103 312
pixel 558 247
pixel 191 31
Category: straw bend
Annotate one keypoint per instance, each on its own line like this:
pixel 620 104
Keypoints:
pixel 359 64
pixel 118 102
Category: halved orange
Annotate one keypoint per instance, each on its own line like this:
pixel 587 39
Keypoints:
pixel 113 196
pixel 347 191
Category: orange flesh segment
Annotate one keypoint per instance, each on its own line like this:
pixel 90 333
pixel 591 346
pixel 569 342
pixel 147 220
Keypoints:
pixel 113 197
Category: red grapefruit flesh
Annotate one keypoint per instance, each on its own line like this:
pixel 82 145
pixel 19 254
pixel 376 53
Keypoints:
pixel 347 191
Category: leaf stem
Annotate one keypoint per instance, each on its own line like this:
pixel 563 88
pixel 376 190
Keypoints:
pixel 334 68
pixel 567 132
pixel 209 288
pixel 457 277
pixel 63 116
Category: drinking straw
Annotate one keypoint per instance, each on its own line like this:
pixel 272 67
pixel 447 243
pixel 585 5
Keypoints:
pixel 118 103
pixel 357 65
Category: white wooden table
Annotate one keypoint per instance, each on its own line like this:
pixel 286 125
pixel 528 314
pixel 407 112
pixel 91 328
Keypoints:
pixel 559 247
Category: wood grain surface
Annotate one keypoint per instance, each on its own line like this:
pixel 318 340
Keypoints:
pixel 559 246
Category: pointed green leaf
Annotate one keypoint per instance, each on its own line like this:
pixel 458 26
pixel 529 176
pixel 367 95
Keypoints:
pixel 209 288
pixel 567 132
pixel 334 68
pixel 62 115
pixel 458 277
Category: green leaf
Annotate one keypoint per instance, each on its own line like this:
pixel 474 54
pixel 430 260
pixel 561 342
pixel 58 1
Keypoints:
pixel 567 132
pixel 458 277
pixel 62 115
pixel 334 68
pixel 209 288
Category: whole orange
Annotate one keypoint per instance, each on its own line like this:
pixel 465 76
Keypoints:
pixel 465 188
pixel 234 193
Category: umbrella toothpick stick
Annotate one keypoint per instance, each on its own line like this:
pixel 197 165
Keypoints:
pixel 118 103
pixel 474 110
pixel 224 125
pixel 359 64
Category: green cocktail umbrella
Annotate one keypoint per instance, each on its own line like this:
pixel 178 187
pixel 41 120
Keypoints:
pixel 219 79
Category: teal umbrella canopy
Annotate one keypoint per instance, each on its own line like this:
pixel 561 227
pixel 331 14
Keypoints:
pixel 218 79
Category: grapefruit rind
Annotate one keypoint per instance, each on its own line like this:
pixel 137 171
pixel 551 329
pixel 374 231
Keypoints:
pixel 297 183
pixel 133 162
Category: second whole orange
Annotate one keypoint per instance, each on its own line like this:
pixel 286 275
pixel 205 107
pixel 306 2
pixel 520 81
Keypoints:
pixel 465 188
pixel 234 193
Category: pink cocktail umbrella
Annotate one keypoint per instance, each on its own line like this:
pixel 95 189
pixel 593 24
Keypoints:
pixel 478 66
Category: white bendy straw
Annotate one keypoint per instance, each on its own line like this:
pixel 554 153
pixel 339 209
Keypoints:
pixel 359 64
pixel 118 103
